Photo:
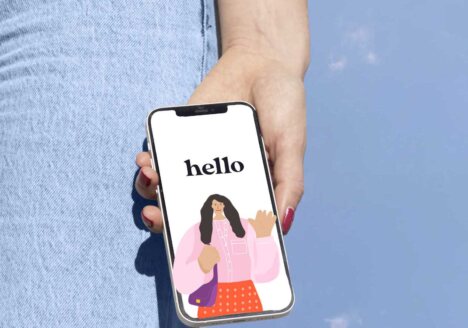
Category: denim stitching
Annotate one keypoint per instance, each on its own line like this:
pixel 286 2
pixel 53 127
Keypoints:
pixel 204 30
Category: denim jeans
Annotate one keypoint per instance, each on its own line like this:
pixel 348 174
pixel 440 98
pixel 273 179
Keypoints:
pixel 77 79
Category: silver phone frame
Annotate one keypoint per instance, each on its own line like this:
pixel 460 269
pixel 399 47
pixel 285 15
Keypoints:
pixel 239 317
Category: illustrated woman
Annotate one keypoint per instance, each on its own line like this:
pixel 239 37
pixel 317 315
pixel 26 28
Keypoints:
pixel 243 250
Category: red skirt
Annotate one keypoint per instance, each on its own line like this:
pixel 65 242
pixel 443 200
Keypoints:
pixel 233 298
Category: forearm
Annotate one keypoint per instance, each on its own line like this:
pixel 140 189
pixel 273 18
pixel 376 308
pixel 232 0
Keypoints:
pixel 275 30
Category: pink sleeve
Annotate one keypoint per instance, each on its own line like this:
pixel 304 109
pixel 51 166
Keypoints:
pixel 186 272
pixel 265 256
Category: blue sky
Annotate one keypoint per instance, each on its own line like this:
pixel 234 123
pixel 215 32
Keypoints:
pixel 381 237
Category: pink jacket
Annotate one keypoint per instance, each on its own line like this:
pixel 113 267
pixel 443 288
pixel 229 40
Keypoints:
pixel 247 258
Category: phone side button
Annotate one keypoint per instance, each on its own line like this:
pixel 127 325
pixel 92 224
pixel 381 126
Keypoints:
pixel 263 142
pixel 158 195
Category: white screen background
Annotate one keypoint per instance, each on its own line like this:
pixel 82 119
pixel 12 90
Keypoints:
pixel 202 138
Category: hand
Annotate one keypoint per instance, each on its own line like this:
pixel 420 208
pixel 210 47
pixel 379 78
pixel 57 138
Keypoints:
pixel 276 89
pixel 263 223
pixel 145 184
pixel 209 256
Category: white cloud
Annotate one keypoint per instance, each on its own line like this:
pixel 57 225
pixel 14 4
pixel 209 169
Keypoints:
pixel 338 322
pixel 360 36
pixel 344 321
pixel 338 64
pixel 357 45
pixel 371 58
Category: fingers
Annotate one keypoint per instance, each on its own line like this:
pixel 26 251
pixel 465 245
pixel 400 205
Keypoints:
pixel 263 217
pixel 217 256
pixel 259 214
pixel 147 178
pixel 271 218
pixel 288 174
pixel 152 218
pixel 289 147
pixel 289 187
pixel 263 214
pixel 281 109
pixel 146 182
pixel 213 254
pixel 143 159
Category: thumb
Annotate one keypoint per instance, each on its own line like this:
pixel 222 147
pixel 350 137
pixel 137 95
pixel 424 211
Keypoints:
pixel 217 257
pixel 288 174
pixel 281 107
pixel 253 223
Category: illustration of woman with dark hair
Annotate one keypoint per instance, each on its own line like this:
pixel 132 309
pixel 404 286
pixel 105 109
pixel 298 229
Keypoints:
pixel 243 250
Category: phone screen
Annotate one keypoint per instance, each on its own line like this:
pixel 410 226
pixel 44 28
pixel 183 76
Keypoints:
pixel 218 205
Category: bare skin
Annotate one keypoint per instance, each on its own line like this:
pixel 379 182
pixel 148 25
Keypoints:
pixel 263 223
pixel 209 256
pixel 218 209
pixel 265 55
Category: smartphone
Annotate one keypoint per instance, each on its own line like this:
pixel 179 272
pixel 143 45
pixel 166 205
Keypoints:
pixel 221 229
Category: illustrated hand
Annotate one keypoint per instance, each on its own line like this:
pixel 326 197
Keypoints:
pixel 209 256
pixel 263 223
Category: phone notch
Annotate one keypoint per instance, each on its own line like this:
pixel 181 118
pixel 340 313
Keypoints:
pixel 201 109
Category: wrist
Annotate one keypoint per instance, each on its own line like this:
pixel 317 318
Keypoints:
pixel 263 236
pixel 263 233
pixel 256 62
pixel 241 70
pixel 272 30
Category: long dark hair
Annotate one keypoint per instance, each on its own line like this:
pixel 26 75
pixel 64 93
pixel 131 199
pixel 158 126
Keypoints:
pixel 206 224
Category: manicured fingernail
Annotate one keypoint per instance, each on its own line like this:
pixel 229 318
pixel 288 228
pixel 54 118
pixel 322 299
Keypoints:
pixel 148 222
pixel 288 220
pixel 145 181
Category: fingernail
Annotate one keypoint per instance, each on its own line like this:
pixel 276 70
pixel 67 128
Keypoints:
pixel 145 181
pixel 148 222
pixel 288 220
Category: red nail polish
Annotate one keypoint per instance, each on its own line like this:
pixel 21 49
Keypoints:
pixel 288 220
pixel 148 222
pixel 144 179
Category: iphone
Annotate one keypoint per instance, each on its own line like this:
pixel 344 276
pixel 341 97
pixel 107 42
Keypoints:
pixel 222 234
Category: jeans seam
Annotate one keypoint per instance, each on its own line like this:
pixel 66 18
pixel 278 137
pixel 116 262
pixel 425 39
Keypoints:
pixel 204 40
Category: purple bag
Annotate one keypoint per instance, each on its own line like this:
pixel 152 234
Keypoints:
pixel 206 294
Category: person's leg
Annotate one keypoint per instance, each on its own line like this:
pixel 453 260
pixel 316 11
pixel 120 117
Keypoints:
pixel 76 82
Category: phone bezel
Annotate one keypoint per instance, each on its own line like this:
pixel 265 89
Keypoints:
pixel 183 316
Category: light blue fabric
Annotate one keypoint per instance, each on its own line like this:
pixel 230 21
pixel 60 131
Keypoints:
pixel 77 79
